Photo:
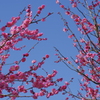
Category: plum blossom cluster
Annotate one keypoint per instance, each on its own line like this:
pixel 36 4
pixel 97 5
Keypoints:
pixel 87 62
pixel 84 25
pixel 30 77
pixel 44 82
pixel 38 81
pixel 18 33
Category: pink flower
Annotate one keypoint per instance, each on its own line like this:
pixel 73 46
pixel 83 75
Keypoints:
pixel 54 73
pixel 64 29
pixel 49 13
pixel 47 56
pixel 57 1
pixel 38 12
pixel 43 19
pixel 60 79
pixel 43 6
pixel 67 83
pixel 63 87
pixel 12 77
pixel 8 43
pixel 33 61
pixel 21 88
pixel 67 98
pixel 26 54
pixel 48 95
pixel 3 28
pixel 77 20
pixel 70 36
pixel 73 16
pixel 69 62
pixel 23 59
pixel 9 24
pixel 54 91
pixel 14 68
pixel 5 35
pixel 90 7
pixel 74 4
pixel 62 6
pixel 41 93
pixel 39 34
pixel 76 61
pixel 67 13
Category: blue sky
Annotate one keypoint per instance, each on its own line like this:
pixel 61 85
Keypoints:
pixel 52 29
